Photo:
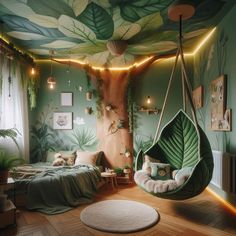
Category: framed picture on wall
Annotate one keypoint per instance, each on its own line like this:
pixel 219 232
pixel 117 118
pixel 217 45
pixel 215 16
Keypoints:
pixel 225 124
pixel 198 97
pixel 218 102
pixel 66 99
pixel 62 120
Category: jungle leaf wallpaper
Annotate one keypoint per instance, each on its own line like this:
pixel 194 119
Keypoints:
pixel 81 29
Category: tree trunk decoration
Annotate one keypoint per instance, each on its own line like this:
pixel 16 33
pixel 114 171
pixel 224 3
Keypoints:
pixel 115 138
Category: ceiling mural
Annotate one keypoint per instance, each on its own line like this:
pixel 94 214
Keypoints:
pixel 102 32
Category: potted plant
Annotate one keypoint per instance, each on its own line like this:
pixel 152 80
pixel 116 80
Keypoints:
pixel 6 163
pixel 10 133
pixel 127 170
pixel 118 171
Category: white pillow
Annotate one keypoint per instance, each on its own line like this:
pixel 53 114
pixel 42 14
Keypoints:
pixel 86 158
pixel 182 175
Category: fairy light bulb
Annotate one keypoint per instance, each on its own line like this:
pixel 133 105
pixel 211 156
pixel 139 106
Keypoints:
pixel 148 100
pixel 51 86
pixel 32 71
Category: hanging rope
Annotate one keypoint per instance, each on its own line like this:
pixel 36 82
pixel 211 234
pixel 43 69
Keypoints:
pixel 186 86
pixel 166 97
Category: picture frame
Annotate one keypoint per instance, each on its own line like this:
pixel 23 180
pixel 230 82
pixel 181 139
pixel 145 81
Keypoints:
pixel 66 99
pixel 198 97
pixel 218 103
pixel 226 122
pixel 62 120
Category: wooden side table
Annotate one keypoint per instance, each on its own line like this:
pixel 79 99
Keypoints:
pixel 110 178
pixel 8 215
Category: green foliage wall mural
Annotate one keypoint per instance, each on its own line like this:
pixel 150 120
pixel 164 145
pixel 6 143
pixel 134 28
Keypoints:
pixel 43 137
pixel 214 59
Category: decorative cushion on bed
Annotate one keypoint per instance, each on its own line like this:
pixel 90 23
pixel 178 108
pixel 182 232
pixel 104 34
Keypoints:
pixel 59 162
pixel 50 156
pixel 68 158
pixel 86 158
pixel 160 171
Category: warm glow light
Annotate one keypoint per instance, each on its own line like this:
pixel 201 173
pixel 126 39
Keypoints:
pixel 51 86
pixel 204 41
pixel 225 203
pixel 68 60
pixel 32 71
pixel 148 100
pixel 137 64
pixel 4 39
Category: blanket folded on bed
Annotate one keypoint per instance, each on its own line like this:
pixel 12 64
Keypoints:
pixel 58 190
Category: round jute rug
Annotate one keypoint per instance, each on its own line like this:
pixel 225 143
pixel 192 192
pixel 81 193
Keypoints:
pixel 119 216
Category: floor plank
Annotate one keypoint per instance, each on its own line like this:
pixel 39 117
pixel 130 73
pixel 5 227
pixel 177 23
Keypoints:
pixel 203 215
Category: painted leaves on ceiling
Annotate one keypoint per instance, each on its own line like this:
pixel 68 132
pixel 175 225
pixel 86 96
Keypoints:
pixel 80 29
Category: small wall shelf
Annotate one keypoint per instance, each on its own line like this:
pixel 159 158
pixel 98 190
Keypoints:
pixel 150 111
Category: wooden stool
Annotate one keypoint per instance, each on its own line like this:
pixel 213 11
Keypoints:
pixel 110 177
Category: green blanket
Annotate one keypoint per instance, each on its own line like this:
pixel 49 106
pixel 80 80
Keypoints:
pixel 58 190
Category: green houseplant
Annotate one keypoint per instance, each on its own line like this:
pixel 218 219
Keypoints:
pixel 119 171
pixel 6 163
pixel 10 133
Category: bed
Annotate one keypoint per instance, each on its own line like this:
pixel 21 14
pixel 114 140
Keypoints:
pixel 56 189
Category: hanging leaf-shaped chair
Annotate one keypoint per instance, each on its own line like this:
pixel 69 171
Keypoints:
pixel 181 143
pixel 180 146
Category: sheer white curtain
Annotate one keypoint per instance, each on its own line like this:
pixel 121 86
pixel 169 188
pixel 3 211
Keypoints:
pixel 14 107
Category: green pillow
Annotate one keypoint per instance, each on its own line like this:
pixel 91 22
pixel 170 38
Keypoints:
pixel 160 171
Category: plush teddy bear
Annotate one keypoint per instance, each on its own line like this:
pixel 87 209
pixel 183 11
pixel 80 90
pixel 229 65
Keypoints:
pixel 58 161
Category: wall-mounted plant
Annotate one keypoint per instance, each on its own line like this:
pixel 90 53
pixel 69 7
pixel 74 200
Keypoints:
pixel 89 93
pixel 33 87
pixel 132 108
pixel 98 95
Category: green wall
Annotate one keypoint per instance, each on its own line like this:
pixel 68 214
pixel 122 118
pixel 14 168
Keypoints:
pixel 218 57
pixel 154 83
pixel 43 136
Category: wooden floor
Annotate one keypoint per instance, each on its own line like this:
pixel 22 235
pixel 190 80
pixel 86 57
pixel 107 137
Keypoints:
pixel 202 215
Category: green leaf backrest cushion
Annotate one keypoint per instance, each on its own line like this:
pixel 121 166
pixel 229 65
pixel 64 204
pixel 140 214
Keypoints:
pixel 178 143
